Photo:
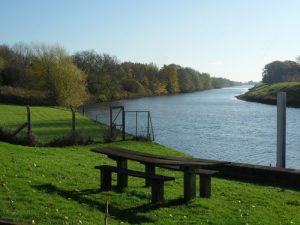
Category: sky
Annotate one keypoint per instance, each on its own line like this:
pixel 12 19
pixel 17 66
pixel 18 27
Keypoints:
pixel 226 38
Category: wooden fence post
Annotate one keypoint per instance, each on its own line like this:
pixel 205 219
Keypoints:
pixel 281 129
pixel 73 119
pixel 28 120
pixel 111 122
pixel 123 124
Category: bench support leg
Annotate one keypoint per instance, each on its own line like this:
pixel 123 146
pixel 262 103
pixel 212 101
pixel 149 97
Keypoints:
pixel 157 191
pixel 105 180
pixel 149 169
pixel 189 184
pixel 205 186
pixel 122 180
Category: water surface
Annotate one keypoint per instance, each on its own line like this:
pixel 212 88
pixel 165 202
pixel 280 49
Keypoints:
pixel 214 124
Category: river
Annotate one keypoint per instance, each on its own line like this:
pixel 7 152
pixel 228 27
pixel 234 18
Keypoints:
pixel 214 124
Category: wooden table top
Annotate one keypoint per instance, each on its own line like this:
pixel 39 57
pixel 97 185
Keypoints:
pixel 115 152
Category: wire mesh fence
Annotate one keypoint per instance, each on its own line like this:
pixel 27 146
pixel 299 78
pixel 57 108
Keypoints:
pixel 12 117
pixel 47 123
pixel 137 123
pixel 51 123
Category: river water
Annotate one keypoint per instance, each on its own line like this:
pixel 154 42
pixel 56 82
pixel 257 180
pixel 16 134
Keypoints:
pixel 214 124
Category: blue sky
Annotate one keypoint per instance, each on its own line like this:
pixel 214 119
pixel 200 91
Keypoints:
pixel 232 38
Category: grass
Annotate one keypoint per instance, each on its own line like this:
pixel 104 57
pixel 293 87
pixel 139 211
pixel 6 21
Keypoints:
pixel 61 186
pixel 47 123
pixel 268 93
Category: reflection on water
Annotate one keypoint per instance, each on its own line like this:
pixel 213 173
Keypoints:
pixel 215 125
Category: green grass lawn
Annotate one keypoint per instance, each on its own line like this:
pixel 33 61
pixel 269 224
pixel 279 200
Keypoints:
pixel 268 93
pixel 61 186
pixel 47 123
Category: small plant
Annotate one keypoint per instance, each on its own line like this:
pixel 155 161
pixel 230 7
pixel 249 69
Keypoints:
pixel 110 137
pixel 27 140
pixel 5 135
pixel 77 137
pixel 141 138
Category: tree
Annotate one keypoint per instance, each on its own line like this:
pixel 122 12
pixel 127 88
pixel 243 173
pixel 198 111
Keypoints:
pixel 103 74
pixel 54 71
pixel 168 75
pixel 185 81
pixel 133 86
pixel 13 72
pixel 279 71
pixel 2 66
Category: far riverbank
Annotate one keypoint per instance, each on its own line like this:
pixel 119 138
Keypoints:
pixel 267 94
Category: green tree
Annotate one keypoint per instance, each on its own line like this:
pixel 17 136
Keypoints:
pixel 168 75
pixel 281 71
pixel 2 66
pixel 14 71
pixel 104 74
pixel 53 70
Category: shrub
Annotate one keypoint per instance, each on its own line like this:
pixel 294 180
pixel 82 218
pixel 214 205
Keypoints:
pixel 77 137
pixel 141 138
pixel 24 96
pixel 5 135
pixel 27 140
pixel 107 137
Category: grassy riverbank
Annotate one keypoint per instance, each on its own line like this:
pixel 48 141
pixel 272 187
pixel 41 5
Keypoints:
pixel 267 93
pixel 60 186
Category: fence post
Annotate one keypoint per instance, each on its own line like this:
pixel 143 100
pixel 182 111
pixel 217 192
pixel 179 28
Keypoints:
pixel 28 120
pixel 136 121
pixel 73 119
pixel 148 124
pixel 123 123
pixel 111 122
pixel 281 129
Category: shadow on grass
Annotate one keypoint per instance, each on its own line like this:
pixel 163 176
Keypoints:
pixel 261 182
pixel 129 214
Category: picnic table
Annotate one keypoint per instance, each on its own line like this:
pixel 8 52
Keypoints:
pixel 189 166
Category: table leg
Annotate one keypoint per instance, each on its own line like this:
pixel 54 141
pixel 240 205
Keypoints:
pixel 149 169
pixel 189 183
pixel 122 180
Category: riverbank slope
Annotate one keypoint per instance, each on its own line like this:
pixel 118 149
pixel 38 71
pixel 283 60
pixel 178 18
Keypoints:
pixel 59 185
pixel 267 93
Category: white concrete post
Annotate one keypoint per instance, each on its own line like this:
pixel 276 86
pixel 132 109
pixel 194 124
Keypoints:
pixel 281 129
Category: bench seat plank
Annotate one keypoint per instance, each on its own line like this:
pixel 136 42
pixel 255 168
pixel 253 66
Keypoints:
pixel 135 173
pixel 206 172
pixel 157 181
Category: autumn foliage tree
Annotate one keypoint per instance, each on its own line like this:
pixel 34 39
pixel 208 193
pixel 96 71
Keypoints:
pixel 71 80
pixel 55 72
pixel 169 78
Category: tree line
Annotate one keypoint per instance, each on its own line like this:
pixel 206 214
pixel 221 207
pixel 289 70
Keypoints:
pixel 87 75
pixel 281 71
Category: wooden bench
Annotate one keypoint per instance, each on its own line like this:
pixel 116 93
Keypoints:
pixel 157 181
pixel 205 181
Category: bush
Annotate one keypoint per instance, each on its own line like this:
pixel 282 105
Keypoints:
pixel 77 137
pixel 141 138
pixel 107 137
pixel 5 135
pixel 27 140
pixel 23 96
